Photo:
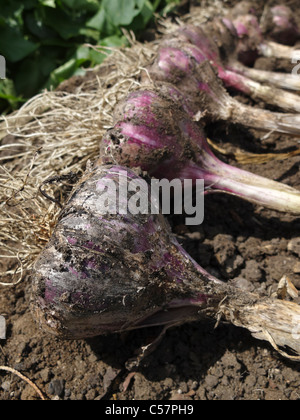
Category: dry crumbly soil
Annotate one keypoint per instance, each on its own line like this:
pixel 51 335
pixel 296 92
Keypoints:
pixel 251 247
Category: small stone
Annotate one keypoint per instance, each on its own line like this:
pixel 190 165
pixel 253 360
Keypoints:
pixel 5 386
pixel 194 385
pixel 252 271
pixel 294 246
pixel 109 377
pixel 230 360
pixel 45 375
pixel 250 381
pixel 68 393
pixel 211 381
pixel 233 264
pixel 183 388
pixel 296 269
pixel 90 395
pixel 243 284
pixel 57 387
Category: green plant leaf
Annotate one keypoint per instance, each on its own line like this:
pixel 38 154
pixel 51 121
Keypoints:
pixel 29 78
pixel 59 21
pixel 43 40
pixel 90 33
pixel 146 14
pixel 7 90
pixel 34 24
pixel 8 98
pixel 82 5
pixel 64 72
pixel 140 4
pixel 12 12
pixel 48 3
pixel 98 20
pixel 120 12
pixel 13 46
pixel 101 23
pixel 47 64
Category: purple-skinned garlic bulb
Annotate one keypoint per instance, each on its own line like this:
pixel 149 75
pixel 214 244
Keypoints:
pixel 279 23
pixel 253 43
pixel 154 133
pixel 104 273
pixel 186 67
pixel 203 47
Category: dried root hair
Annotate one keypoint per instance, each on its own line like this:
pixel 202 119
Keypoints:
pixel 54 134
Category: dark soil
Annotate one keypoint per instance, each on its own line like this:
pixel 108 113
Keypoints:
pixel 251 247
